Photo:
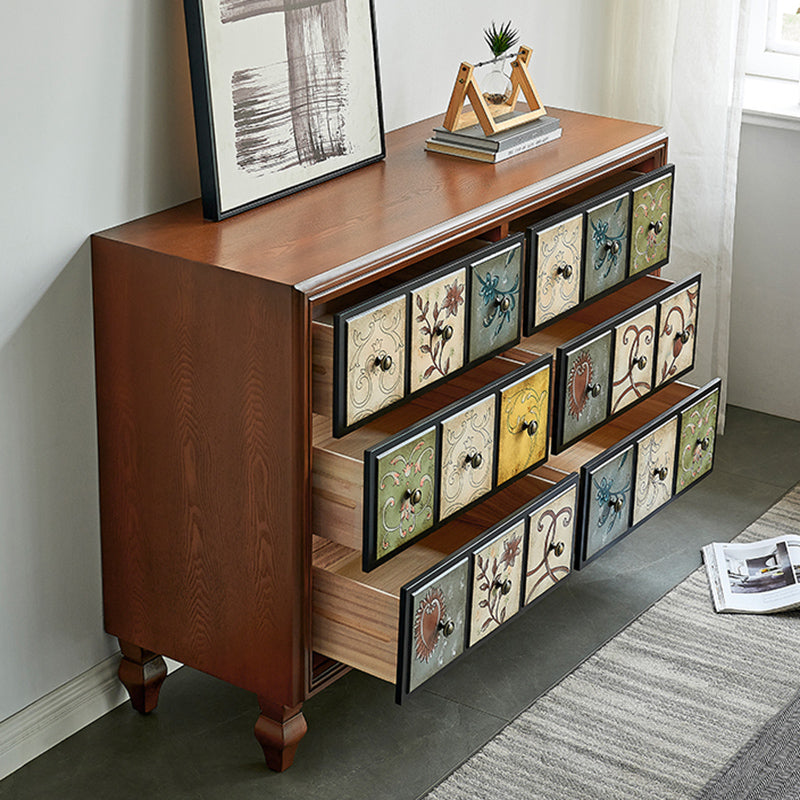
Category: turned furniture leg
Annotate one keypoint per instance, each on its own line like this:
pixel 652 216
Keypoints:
pixel 279 730
pixel 142 673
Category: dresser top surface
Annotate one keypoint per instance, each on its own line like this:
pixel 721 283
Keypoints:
pixel 347 230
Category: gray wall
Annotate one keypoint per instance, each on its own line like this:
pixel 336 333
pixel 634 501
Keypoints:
pixel 765 294
pixel 97 130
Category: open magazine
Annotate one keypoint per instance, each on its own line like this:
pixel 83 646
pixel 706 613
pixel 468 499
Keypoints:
pixel 755 578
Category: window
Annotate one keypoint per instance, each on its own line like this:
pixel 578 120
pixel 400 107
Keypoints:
pixel 774 39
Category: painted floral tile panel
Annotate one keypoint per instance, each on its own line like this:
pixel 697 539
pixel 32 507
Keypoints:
pixel 495 301
pixel 376 349
pixel 438 314
pixel 558 268
pixel 650 224
pixel 634 347
pixel 698 437
pixel 610 494
pixel 496 582
pixel 467 456
pixel 607 246
pixel 655 460
pixel 522 438
pixel 406 477
pixel 438 619
pixel 677 330
pixel 551 532
pixel 586 386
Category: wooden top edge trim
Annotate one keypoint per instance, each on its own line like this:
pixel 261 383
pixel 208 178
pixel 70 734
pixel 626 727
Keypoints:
pixel 439 235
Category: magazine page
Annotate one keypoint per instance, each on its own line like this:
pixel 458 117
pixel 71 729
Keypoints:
pixel 758 577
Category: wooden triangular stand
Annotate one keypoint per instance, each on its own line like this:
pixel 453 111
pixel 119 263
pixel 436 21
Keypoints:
pixel 466 88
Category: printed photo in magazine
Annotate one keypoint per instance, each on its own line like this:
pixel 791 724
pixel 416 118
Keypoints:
pixel 758 577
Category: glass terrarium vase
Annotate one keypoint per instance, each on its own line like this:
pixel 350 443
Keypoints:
pixel 494 81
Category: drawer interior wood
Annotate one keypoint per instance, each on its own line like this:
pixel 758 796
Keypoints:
pixel 338 464
pixel 356 614
pixel 583 319
pixel 574 457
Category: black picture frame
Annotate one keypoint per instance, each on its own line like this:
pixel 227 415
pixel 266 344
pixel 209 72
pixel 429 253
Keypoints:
pixel 286 95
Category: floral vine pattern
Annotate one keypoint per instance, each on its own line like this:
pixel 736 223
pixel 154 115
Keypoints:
pixel 678 319
pixel 493 299
pixel 371 337
pixel 654 452
pixel 492 568
pixel 466 434
pixel 550 568
pixel 651 205
pixel 699 423
pixel 558 248
pixel 406 472
pixel 634 340
pixel 611 493
pixel 605 258
pixel 431 319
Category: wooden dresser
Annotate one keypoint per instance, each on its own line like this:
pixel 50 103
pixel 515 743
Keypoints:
pixel 243 449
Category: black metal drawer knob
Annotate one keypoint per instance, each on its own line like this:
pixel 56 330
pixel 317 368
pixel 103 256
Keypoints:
pixel 505 586
pixel 565 270
pixel 661 473
pixel 684 336
pixel 530 426
pixel 504 303
pixel 613 247
pixel 447 626
pixel 641 362
pixel 445 331
pixel 414 497
pixel 474 460
pixel 657 226
pixel 617 503
pixel 704 443
pixel 557 548
pixel 593 389
pixel 385 362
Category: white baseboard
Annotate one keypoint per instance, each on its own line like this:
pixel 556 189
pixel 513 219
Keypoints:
pixel 56 716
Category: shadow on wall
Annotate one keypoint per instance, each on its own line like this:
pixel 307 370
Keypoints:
pixel 51 626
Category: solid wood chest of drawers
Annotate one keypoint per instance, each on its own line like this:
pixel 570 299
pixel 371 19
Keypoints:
pixel 368 424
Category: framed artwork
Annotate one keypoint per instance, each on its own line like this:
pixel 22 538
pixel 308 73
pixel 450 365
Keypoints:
pixel 286 95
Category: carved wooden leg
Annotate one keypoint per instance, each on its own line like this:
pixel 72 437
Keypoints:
pixel 142 674
pixel 279 730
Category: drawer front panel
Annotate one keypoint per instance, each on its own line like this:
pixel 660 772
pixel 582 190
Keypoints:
pixel 404 492
pixel 551 534
pixel 496 582
pixel 495 302
pixel 438 315
pixel 634 346
pixel 606 246
pixel 677 333
pixel 584 401
pixel 376 350
pixel 609 489
pixel 438 620
pixel 650 224
pixel 697 441
pixel 467 442
pixel 559 254
pixel 655 469
pixel 522 437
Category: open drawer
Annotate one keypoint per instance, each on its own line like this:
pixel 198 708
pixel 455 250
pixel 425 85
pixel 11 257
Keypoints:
pixel 409 618
pixel 381 488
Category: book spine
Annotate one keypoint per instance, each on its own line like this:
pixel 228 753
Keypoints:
pixel 509 139
pixel 436 146
pixel 523 146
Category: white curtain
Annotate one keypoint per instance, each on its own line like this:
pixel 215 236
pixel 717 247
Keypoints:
pixel 680 64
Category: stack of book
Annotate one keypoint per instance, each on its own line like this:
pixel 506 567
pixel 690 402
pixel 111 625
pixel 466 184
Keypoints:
pixel 473 143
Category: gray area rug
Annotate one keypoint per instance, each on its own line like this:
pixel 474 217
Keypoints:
pixel 657 711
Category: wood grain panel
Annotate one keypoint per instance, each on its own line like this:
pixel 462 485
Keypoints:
pixel 203 468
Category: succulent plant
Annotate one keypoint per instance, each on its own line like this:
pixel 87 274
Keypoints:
pixel 500 39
